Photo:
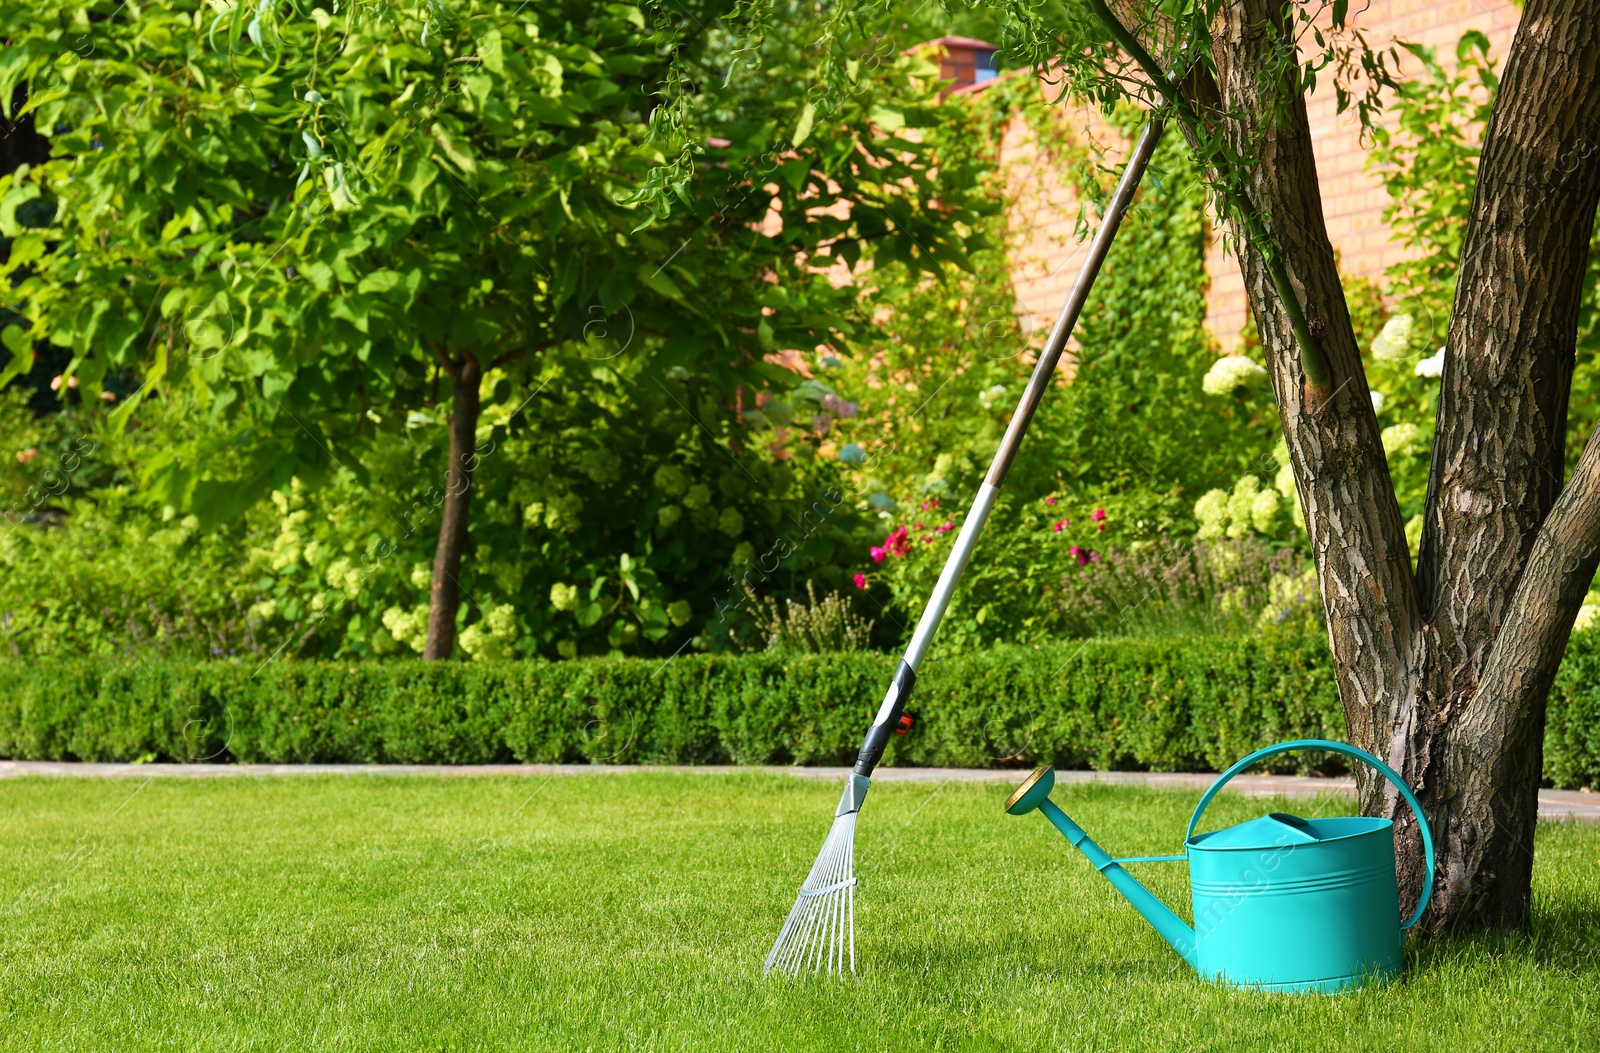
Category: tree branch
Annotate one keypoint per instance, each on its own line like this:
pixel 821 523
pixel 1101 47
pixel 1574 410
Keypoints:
pixel 1500 443
pixel 1528 650
pixel 1236 196
pixel 512 356
pixel 451 367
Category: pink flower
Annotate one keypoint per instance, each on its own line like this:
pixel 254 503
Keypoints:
pixel 945 527
pixel 1049 500
pixel 860 579
pixel 919 526
pixel 1098 514
pixel 1060 525
pixel 1102 526
pixel 1076 551
pixel 878 553
pixel 24 456
pixel 897 543
pixel 1085 556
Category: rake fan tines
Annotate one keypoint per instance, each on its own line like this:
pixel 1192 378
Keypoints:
pixel 820 933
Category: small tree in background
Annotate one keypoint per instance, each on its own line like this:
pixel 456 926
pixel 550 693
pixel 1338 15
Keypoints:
pixel 300 231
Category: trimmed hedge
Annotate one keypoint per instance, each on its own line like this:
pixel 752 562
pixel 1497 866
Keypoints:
pixel 1183 704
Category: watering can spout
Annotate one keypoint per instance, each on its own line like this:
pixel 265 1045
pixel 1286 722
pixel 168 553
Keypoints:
pixel 1035 793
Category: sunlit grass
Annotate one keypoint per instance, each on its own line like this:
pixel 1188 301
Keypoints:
pixel 633 912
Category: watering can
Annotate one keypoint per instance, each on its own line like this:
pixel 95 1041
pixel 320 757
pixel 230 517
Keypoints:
pixel 1281 903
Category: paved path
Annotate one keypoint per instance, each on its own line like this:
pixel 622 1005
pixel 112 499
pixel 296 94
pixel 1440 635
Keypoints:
pixel 1553 804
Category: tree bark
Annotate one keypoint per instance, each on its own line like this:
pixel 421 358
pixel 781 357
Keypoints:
pixel 1473 742
pixel 1443 674
pixel 445 598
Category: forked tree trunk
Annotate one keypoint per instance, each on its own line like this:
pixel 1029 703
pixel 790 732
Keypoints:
pixel 444 600
pixel 1444 673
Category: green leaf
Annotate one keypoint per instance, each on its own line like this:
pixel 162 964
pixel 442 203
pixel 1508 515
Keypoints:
pixel 659 282
pixel 379 282
pixel 16 340
pixel 802 127
pixel 890 120
pixel 458 157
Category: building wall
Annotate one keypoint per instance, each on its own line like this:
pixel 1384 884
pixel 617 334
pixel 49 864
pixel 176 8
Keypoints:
pixel 1353 199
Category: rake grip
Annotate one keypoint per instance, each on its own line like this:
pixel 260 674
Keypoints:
pixel 877 740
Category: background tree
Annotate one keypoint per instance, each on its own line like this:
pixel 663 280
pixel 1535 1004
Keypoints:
pixel 345 210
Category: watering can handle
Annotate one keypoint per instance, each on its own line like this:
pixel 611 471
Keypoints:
pixel 1354 754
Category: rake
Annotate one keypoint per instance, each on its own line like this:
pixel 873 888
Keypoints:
pixel 820 933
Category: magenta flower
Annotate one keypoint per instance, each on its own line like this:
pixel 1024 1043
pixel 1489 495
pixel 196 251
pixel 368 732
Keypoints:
pixel 860 579
pixel 1076 551
pixel 878 553
pixel 1060 525
pixel 1049 500
pixel 947 526
pixel 1102 526
pixel 897 543
pixel 1098 514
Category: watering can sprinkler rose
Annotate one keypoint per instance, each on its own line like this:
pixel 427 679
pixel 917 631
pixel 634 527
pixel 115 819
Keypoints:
pixel 1281 903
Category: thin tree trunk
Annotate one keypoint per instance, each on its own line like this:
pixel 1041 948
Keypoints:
pixel 445 598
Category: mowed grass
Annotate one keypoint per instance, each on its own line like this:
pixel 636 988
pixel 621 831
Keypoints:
pixel 633 912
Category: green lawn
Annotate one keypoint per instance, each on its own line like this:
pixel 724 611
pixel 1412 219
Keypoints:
pixel 633 912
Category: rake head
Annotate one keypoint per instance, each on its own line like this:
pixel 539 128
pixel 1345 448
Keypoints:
pixel 820 933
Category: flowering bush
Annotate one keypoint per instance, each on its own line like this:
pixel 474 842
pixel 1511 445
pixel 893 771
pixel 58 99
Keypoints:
pixel 1164 586
pixel 1249 508
pixel 1027 558
pixel 1231 372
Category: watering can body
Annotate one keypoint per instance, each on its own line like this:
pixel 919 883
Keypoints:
pixel 1294 904
pixel 1280 903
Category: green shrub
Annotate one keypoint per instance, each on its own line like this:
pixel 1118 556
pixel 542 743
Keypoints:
pixel 1164 705
pixel 1572 718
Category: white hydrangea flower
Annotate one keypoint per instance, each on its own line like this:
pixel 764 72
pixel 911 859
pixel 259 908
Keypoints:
pixel 1241 504
pixel 1264 510
pixel 1230 372
pixel 1394 343
pixel 1284 482
pixel 564 597
pixel 408 627
pixel 989 397
pixel 1377 402
pixel 1431 366
pixel 1402 439
pixel 1211 512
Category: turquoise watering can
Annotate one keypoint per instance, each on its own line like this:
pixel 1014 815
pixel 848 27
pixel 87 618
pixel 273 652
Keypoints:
pixel 1280 903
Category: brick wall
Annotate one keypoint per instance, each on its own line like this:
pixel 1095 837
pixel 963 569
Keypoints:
pixel 1352 198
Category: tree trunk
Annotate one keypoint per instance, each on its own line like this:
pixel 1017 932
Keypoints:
pixel 1443 673
pixel 445 598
